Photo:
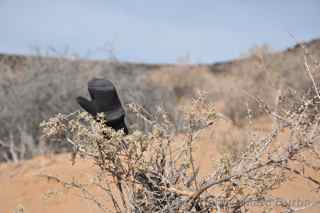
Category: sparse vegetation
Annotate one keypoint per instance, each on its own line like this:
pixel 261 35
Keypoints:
pixel 151 172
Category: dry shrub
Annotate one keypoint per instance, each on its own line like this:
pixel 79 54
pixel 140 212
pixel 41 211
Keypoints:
pixel 150 171
pixel 153 173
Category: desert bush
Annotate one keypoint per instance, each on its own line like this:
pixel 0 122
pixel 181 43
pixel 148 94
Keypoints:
pixel 151 172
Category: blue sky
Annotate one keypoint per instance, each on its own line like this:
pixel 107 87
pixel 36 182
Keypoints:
pixel 156 31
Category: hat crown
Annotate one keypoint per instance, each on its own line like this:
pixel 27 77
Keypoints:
pixel 105 98
pixel 100 84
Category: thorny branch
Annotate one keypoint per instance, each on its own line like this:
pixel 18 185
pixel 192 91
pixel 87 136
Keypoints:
pixel 151 175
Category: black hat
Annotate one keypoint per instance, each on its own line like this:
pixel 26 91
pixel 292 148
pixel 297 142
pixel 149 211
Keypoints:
pixel 104 100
